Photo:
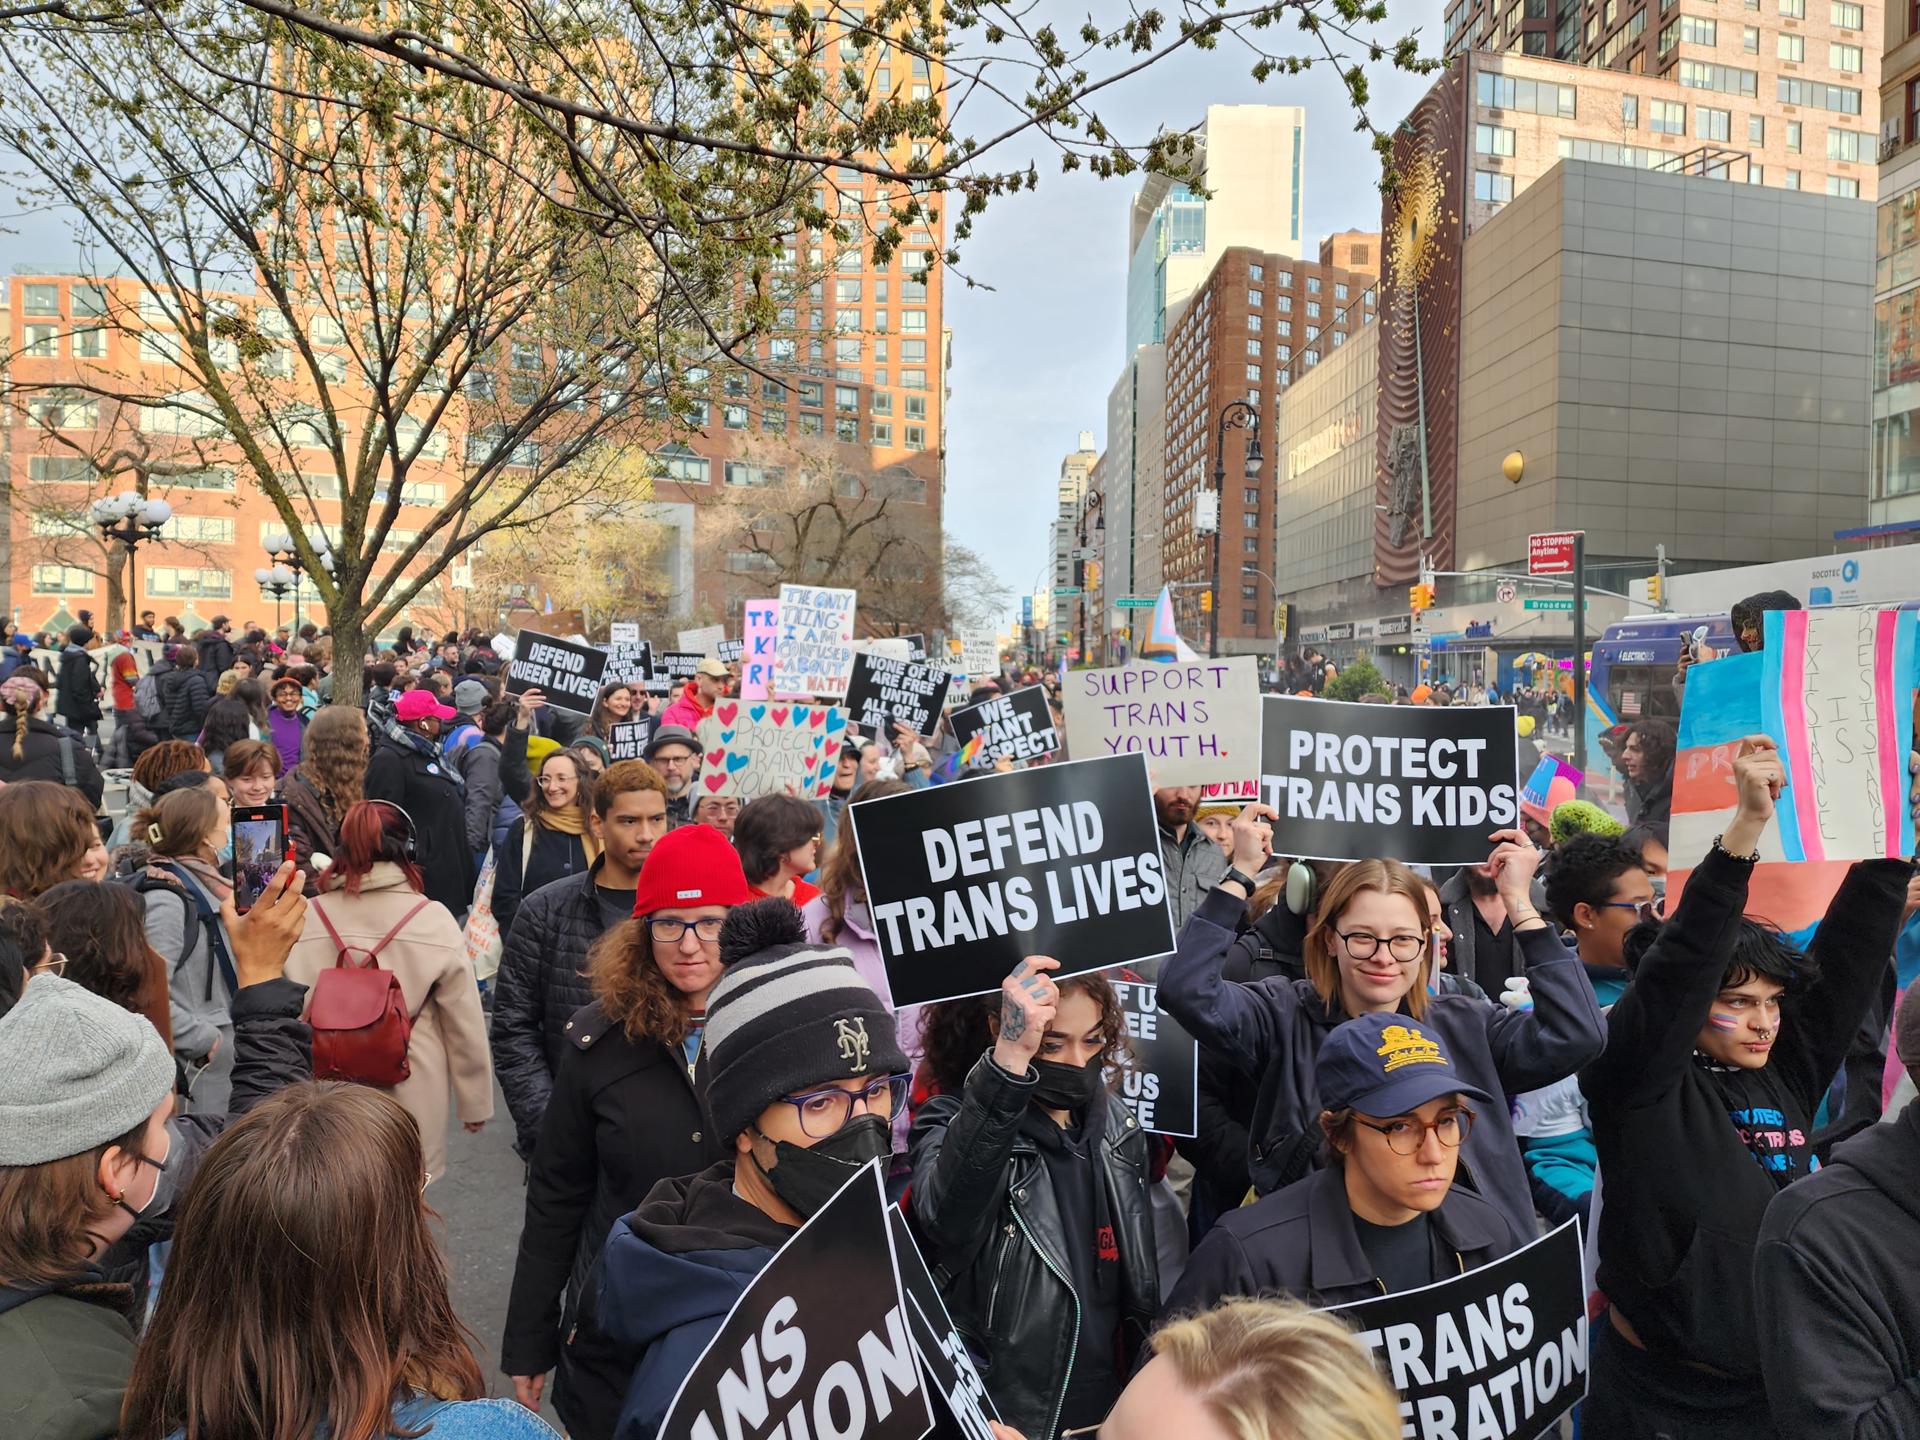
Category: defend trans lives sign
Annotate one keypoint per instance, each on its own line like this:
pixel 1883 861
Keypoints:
pixel 1499 1353
pixel 566 672
pixel 1425 784
pixel 819 1344
pixel 966 880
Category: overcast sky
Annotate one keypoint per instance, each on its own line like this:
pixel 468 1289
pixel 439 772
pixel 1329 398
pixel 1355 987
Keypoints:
pixel 1034 357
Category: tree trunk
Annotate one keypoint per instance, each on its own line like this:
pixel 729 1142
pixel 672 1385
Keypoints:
pixel 349 657
pixel 119 566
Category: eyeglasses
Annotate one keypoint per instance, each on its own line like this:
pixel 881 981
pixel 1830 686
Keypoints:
pixel 672 932
pixel 826 1112
pixel 1407 1134
pixel 1645 909
pixel 1363 946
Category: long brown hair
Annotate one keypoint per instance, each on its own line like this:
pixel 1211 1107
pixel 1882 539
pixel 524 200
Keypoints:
pixel 308 1287
pixel 179 822
pixel 629 984
pixel 48 1213
pixel 603 718
pixel 333 756
pixel 840 876
pixel 1389 877
pixel 46 830
pixel 102 930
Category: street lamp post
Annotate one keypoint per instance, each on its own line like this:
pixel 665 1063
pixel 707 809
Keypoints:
pixel 285 571
pixel 1274 585
pixel 1235 415
pixel 130 518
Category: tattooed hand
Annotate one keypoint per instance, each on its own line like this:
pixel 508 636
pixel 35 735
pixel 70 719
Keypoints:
pixel 1028 999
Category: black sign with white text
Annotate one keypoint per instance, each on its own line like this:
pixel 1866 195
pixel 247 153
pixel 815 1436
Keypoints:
pixel 629 741
pixel 1160 1070
pixel 630 660
pixel 1499 1352
pixel 1011 727
pixel 961 1406
pixel 567 672
pixel 965 880
pixel 886 692
pixel 819 1344
pixel 1423 784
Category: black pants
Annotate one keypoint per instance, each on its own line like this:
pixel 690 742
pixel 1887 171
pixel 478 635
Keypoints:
pixel 1632 1395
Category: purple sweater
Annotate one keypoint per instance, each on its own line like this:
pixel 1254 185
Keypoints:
pixel 287 732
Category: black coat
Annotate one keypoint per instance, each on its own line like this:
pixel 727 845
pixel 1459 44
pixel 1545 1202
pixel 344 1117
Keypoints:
pixel 555 856
pixel 185 697
pixel 1300 1242
pixel 79 685
pixel 427 790
pixel 1684 1195
pixel 41 758
pixel 215 652
pixel 542 980
pixel 984 1202
pixel 623 1116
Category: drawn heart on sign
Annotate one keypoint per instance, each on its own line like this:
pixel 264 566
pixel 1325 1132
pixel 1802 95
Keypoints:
pixel 714 781
pixel 738 762
pixel 816 718
pixel 780 716
pixel 759 713
pixel 836 720
pixel 817 741
pixel 726 713
pixel 726 737
pixel 714 757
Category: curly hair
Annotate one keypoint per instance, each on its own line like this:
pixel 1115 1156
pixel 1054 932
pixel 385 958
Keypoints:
pixel 840 875
pixel 955 1033
pixel 630 987
pixel 165 759
pixel 333 755
pixel 102 930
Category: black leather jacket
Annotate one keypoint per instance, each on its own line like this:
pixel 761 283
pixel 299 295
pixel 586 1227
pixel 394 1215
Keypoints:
pixel 983 1203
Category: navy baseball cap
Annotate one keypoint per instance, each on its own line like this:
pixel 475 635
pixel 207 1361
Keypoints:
pixel 1386 1065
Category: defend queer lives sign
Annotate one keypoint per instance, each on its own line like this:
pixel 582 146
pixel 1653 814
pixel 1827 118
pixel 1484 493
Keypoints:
pixel 1427 785
pixel 964 881
pixel 1197 722
pixel 568 674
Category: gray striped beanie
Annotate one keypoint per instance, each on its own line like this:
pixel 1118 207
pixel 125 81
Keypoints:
pixel 786 1017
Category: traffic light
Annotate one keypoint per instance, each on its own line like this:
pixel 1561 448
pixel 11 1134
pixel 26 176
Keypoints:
pixel 1656 589
pixel 1420 597
pixel 1206 602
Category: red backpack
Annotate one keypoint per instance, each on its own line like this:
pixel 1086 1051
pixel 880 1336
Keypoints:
pixel 358 1014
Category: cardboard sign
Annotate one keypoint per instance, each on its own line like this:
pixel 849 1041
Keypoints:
pixel 568 672
pixel 624 632
pixel 759 630
pixel 818 1344
pixel 814 652
pixel 1499 1352
pixel 964 881
pixel 1160 1068
pixel 1196 721
pixel 629 741
pixel 753 748
pixel 980 654
pixel 961 1406
pixel 1012 727
pixel 632 661
pixel 1423 784
pixel 884 691
pixel 702 640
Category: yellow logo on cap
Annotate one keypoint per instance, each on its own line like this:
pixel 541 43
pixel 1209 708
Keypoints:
pixel 1408 1047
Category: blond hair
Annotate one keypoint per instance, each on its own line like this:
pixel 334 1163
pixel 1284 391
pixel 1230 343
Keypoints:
pixel 1389 877
pixel 1275 1370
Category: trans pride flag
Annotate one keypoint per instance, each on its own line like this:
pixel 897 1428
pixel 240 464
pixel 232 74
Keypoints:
pixel 1163 642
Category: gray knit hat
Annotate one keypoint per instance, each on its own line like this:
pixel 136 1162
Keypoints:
pixel 76 1071
pixel 786 1017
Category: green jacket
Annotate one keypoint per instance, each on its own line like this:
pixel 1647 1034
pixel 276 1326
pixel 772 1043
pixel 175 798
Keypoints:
pixel 65 1356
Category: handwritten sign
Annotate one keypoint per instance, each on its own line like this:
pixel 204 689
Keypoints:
pixel 980 654
pixel 1196 721
pixel 885 691
pixel 1009 727
pixel 623 632
pixel 750 748
pixel 568 672
pixel 702 640
pixel 814 652
pixel 760 630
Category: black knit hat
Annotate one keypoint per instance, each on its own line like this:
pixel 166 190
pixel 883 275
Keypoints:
pixel 786 1017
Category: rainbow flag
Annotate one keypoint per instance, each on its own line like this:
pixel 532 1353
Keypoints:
pixel 1163 642
pixel 970 751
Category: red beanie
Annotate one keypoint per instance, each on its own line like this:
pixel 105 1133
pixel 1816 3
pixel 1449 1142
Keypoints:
pixel 694 865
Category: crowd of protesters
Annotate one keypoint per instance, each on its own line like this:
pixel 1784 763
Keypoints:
pixel 215 1190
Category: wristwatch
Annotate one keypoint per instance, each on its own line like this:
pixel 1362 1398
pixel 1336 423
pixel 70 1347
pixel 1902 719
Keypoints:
pixel 1240 877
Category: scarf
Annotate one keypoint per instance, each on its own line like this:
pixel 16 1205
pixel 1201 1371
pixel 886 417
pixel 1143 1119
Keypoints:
pixel 568 822
pixel 207 876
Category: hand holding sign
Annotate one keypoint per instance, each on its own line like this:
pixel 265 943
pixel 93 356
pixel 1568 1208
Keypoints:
pixel 1028 1002
pixel 1758 775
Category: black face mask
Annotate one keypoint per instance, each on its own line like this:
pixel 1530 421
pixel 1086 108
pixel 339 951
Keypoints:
pixel 806 1177
pixel 1066 1087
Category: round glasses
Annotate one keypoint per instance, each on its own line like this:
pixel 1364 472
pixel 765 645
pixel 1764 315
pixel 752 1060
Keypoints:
pixel 672 932
pixel 826 1112
pixel 1362 945
pixel 1408 1133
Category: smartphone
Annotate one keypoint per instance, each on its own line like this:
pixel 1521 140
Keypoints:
pixel 1697 644
pixel 259 848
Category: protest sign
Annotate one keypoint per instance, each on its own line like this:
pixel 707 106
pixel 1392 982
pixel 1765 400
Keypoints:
pixel 818 1344
pixel 702 640
pixel 1230 792
pixel 623 632
pixel 677 664
pixel 567 672
pixel 1011 727
pixel 814 652
pixel 980 654
pixel 1427 785
pixel 753 748
pixel 629 741
pixel 916 647
pixel 760 626
pixel 632 661
pixel 965 881
pixel 961 1405
pixel 1196 721
pixel 889 647
pixel 1160 1068
pixel 1499 1352
pixel 884 691
pixel 730 651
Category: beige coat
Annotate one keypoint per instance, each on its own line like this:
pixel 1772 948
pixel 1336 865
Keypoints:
pixel 449 1045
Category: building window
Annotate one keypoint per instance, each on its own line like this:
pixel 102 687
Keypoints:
pixel 916 437
pixel 1313 284
pixel 1493 140
pixel 1793 137
pixel 1845 57
pixel 812 423
pixel 63 469
pixel 1254 297
pixel 208 529
pixel 1728 80
pixel 1253 348
pixel 1339 290
pixel 89 344
pixel 1712 124
pixel 1756 175
pixel 1667 117
pixel 773 418
pixel 176 583
pixel 846 399
pixel 1630 111
pixel 1791 47
pixel 57 410
pixel 1794 9
pixel 42 341
pixel 1695 31
pixel 883 432
pixel 1845 145
pixel 677 462
pixel 40 300
pixel 1506 92
pixel 1837 98
pixel 733 417
pixel 63 580
pixel 1756 129
pixel 1792 182
pixel 1253 324
pixel 1846 16
pixel 916 407
pixel 1750 39
pixel 1844 186
pixel 738 472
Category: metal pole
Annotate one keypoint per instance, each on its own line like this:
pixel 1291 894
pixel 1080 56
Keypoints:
pixel 1580 650
pixel 1213 594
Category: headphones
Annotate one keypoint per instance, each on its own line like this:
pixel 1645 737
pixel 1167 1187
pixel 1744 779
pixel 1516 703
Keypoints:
pixel 411 852
pixel 1300 887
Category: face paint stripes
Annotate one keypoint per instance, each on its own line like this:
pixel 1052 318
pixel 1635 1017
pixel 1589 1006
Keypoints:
pixel 1726 1024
